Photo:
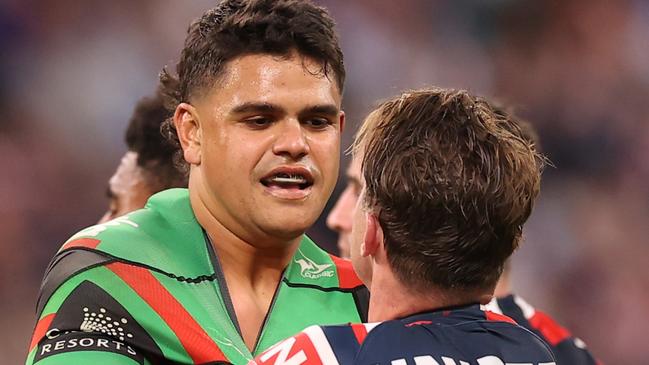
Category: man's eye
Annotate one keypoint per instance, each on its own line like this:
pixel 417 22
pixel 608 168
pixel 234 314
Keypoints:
pixel 318 123
pixel 258 122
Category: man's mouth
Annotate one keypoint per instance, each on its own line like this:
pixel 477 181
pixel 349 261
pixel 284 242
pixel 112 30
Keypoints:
pixel 287 181
pixel 283 179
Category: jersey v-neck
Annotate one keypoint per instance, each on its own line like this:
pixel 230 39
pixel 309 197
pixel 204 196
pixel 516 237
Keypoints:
pixel 227 298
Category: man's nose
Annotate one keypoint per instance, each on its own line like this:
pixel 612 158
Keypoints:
pixel 291 140
pixel 340 217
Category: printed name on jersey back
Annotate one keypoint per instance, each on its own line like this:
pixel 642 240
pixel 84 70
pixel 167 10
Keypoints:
pixel 485 360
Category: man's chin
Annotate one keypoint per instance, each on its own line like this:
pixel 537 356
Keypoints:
pixel 288 227
pixel 290 218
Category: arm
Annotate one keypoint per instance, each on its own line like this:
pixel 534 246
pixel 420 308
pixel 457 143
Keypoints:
pixel 80 320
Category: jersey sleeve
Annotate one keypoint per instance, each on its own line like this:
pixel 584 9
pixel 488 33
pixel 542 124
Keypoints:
pixel 309 347
pixel 573 351
pixel 82 317
pixel 566 348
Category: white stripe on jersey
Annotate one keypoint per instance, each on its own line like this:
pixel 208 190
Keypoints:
pixel 492 306
pixel 321 345
pixel 370 326
pixel 528 310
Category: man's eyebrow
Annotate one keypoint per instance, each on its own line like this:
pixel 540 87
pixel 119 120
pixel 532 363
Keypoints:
pixel 328 110
pixel 257 107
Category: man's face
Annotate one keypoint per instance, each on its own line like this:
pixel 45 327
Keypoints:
pixel 341 217
pixel 128 189
pixel 362 264
pixel 269 146
pixel 349 219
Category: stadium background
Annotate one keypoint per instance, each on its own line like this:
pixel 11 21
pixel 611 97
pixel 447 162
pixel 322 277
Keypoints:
pixel 72 70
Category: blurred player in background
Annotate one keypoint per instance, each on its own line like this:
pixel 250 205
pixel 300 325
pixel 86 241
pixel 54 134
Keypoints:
pixel 219 271
pixel 147 168
pixel 567 349
pixel 446 185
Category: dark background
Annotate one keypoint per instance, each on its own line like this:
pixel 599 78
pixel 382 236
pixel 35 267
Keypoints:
pixel 72 70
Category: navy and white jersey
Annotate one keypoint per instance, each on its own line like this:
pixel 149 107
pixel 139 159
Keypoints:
pixel 567 349
pixel 453 336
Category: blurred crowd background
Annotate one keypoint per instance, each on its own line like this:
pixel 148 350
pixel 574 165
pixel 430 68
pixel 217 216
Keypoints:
pixel 72 70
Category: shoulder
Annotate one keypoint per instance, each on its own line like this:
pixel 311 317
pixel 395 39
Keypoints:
pixel 164 237
pixel 166 213
pixel 566 347
pixel 464 337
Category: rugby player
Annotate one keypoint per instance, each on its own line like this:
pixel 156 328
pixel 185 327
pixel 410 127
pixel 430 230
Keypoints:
pixel 220 271
pixel 566 348
pixel 446 184
pixel 147 167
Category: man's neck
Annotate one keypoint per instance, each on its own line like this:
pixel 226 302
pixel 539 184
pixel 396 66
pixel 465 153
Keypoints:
pixel 238 257
pixel 391 299
pixel 503 288
pixel 252 270
pixel 250 264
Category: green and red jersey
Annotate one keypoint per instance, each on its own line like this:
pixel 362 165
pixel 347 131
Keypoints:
pixel 147 288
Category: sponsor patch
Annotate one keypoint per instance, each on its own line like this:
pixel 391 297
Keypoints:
pixel 91 320
pixel 100 321
pixel 58 342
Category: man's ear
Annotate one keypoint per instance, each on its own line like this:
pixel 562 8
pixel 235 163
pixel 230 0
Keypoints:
pixel 373 240
pixel 189 132
pixel 342 121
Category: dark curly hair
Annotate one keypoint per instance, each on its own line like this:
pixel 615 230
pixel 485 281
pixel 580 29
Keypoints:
pixel 241 27
pixel 452 180
pixel 154 152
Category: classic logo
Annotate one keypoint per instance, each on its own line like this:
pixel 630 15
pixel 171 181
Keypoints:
pixel 312 270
